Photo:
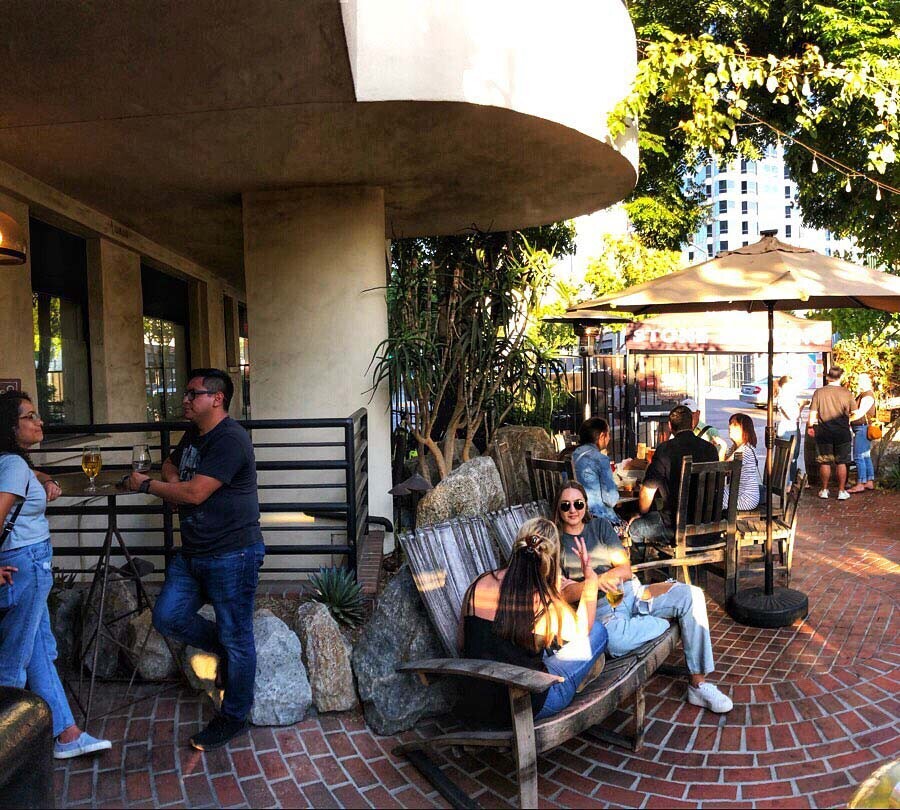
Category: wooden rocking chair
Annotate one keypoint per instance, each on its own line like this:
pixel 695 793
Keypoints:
pixel 444 560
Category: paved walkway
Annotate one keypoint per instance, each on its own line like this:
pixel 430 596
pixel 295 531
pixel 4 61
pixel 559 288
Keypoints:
pixel 816 711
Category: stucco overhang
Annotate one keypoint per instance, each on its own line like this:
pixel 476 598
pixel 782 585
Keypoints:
pixel 489 113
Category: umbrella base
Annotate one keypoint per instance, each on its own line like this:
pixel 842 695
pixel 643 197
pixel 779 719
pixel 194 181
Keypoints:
pixel 755 608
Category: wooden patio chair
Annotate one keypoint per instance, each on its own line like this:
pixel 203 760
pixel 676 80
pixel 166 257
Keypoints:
pixel 751 532
pixel 545 475
pixel 444 560
pixel 705 531
pixel 504 524
pixel 782 452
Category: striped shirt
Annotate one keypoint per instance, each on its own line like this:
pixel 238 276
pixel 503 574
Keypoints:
pixel 748 490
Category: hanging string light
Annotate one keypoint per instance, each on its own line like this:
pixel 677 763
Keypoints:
pixel 815 166
pixel 848 187
pixel 877 193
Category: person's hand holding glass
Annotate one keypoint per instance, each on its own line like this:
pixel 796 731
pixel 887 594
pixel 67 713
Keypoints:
pixel 140 458
pixel 91 463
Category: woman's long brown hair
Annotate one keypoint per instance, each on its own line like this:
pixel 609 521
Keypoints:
pixel 533 571
pixel 570 484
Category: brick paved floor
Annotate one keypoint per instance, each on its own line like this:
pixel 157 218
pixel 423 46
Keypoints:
pixel 816 711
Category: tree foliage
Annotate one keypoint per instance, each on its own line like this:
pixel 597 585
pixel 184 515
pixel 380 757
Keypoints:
pixel 627 260
pixel 825 74
pixel 458 346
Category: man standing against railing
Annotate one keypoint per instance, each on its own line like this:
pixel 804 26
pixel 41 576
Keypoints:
pixel 211 477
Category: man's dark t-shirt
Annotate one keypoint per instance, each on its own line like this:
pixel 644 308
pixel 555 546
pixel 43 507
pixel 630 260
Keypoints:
pixel 664 471
pixel 229 518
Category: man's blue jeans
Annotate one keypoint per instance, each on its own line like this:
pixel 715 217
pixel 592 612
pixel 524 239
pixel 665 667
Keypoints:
pixel 572 661
pixel 27 645
pixel 228 582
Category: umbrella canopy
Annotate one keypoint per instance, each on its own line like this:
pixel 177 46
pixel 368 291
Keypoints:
pixel 768 275
pixel 745 279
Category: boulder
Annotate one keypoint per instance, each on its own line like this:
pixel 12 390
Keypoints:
pixel 155 663
pixel 282 693
pixel 326 654
pixel 429 467
pixel 120 601
pixel 399 631
pixel 471 489
pixel 65 622
pixel 520 438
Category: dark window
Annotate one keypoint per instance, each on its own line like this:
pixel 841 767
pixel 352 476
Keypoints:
pixel 59 316
pixel 787 192
pixel 165 342
pixel 787 173
pixel 744 207
pixel 744 244
pixel 709 250
pixel 745 227
pixel 743 165
pixel 709 229
pixel 787 211
pixel 743 186
pixel 244 347
pixel 690 255
pixel 723 186
pixel 708 170
pixel 723 245
pixel 787 231
pixel 723 206
pixel 723 227
pixel 708 191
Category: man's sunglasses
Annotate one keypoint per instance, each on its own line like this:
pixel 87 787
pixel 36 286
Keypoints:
pixel 564 506
pixel 192 393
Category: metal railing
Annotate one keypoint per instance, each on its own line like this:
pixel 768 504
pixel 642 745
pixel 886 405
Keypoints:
pixel 339 452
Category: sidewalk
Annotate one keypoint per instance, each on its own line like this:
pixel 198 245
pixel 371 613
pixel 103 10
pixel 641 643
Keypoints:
pixel 816 711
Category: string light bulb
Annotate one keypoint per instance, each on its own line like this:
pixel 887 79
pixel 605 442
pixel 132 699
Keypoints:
pixel 877 193
pixel 734 138
pixel 848 186
pixel 815 166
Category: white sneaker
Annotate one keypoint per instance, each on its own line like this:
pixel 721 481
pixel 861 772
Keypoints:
pixel 843 495
pixel 823 493
pixel 709 697
pixel 85 744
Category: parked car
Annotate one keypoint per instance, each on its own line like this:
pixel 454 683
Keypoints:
pixel 755 393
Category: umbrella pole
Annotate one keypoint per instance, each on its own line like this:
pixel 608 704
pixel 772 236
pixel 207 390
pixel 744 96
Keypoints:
pixel 768 606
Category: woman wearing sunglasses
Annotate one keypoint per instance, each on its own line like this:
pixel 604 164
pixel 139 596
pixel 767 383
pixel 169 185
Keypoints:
pixel 27 645
pixel 641 613
pixel 521 615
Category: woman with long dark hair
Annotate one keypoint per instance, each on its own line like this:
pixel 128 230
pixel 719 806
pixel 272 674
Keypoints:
pixel 27 645
pixel 521 615
pixel 641 614
pixel 594 470
pixel 743 436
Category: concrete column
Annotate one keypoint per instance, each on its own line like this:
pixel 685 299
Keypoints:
pixel 315 272
pixel 116 323
pixel 17 355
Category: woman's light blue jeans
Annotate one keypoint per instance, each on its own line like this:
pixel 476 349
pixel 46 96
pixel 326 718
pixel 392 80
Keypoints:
pixel 572 661
pixel 862 454
pixel 637 621
pixel 786 434
pixel 27 645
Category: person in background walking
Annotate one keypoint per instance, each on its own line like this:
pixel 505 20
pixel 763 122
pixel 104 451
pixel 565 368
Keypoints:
pixel 787 407
pixel 859 421
pixel 829 424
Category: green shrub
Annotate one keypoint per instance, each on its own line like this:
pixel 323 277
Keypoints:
pixel 338 590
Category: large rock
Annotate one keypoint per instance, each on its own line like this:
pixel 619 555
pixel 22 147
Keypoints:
pixel 326 655
pixel 520 438
pixel 155 663
pixel 471 489
pixel 282 694
pixel 65 622
pixel 429 463
pixel 120 601
pixel 399 631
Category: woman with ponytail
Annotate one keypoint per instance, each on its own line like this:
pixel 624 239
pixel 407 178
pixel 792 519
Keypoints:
pixel 521 615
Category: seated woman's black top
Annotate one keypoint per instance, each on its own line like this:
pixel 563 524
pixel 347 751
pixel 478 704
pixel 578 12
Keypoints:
pixel 490 703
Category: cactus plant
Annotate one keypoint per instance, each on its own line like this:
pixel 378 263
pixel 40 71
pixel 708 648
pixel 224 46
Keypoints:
pixel 339 591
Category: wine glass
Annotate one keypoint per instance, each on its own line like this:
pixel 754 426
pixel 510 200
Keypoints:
pixel 91 463
pixel 140 458
pixel 615 597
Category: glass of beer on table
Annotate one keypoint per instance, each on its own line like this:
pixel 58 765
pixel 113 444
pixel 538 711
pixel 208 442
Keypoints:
pixel 91 463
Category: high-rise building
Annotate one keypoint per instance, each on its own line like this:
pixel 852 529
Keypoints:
pixel 747 196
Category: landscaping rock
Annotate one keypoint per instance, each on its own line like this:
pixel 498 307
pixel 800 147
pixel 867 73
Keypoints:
pixel 65 622
pixel 156 662
pixel 326 655
pixel 520 438
pixel 282 693
pixel 471 489
pixel 399 631
pixel 120 600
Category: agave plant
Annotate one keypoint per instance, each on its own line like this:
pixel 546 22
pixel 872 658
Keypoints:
pixel 338 590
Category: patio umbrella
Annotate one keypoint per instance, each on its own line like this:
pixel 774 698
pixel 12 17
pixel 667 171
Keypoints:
pixel 768 275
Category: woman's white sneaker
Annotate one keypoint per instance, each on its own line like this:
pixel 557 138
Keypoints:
pixel 708 696
pixel 823 494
